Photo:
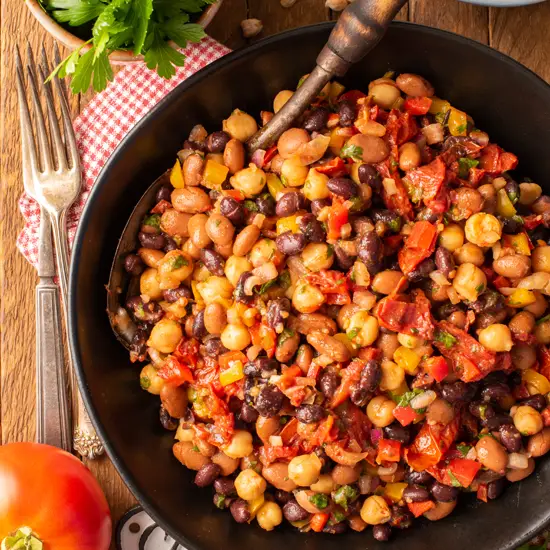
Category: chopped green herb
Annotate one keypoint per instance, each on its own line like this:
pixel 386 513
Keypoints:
pixel 265 287
pixel 250 205
pixel 394 163
pixel 217 223
pixel 448 340
pixel 139 312
pixel 330 251
pixel 394 225
pixel 178 262
pixel 352 276
pixel 283 420
pixel 351 334
pixel 319 500
pixel 479 436
pixel 414 330
pixel 344 495
pixel 338 516
pixel 340 281
pixel 454 481
pixel 462 128
pixel 405 399
pixel 284 181
pixel 518 219
pixel 480 288
pixel 441 117
pixel 145 382
pixel 351 151
pixel 152 221
pixel 357 204
pixel 543 319
pixel 284 280
pixel 195 448
pixel 285 335
pixel 513 197
pixel 422 410
pixel 464 449
pixel 219 501
pixel 301 81
pixel 464 165
pixel 482 411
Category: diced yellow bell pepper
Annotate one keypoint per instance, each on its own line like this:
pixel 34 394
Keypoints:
pixel 394 491
pixel 519 243
pixel 176 176
pixel 354 172
pixel 504 205
pixel 407 359
pixel 255 505
pixel 274 185
pixel 521 297
pixel 214 174
pixel 439 106
pixel 233 374
pixel 535 382
pixel 337 140
pixel 197 294
pixel 289 223
pixel 335 90
pixel 458 122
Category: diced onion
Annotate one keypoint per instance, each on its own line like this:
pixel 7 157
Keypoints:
pixel 537 281
pixel 517 461
pixel 439 279
pixel 389 186
pixel 390 470
pixel 275 440
pixel 365 484
pixel 423 400
pixel 433 133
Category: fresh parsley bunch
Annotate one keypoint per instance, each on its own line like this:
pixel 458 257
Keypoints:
pixel 143 26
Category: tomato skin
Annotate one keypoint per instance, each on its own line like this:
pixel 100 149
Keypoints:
pixel 53 493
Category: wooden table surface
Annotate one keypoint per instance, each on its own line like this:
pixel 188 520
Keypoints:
pixel 523 33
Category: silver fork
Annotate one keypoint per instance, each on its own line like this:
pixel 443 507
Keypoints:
pixel 52 176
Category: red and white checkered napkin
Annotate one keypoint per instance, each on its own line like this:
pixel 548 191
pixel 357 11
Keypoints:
pixel 103 124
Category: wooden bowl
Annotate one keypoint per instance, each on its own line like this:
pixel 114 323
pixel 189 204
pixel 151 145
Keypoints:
pixel 118 57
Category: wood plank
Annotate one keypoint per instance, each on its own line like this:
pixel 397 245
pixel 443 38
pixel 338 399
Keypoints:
pixel 226 26
pixel 524 34
pixel 403 14
pixel 466 19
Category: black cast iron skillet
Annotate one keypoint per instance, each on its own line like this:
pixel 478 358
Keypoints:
pixel 503 97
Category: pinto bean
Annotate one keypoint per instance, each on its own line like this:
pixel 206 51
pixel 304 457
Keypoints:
pixel 196 229
pixel 328 345
pixel 175 223
pixel 491 454
pixel 518 475
pixel 286 347
pixel 277 475
pixel 539 444
pixel 190 200
pixel 441 510
pixel 185 452
pixel 373 148
pixel 234 155
pixel 174 399
pixel 192 170
pixel 245 240
pixel 414 85
pixel 227 464
pixel 306 323
pixel 512 266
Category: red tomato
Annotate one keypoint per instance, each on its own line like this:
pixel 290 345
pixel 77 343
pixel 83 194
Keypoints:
pixel 406 415
pixel 54 494
pixel 389 450
pixel 419 508
pixel 175 372
pixel 436 367
pixel 417 105
pixel 418 247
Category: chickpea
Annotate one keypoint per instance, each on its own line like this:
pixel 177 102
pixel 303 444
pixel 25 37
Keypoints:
pixel 307 298
pixel 280 99
pixel 384 95
pixel 414 85
pixel 388 343
pixel 235 266
pixel 174 268
pixel 305 469
pixel 150 380
pixel 197 230
pixel 250 181
pixel 215 290
pixel 240 445
pixel 483 229
pixel 523 356
pixel 542 333
pixel 325 484
pixel 492 454
pixel 539 444
pixel 469 253
pixel 345 475
pixel 366 327
pixel 235 337
pixel 149 284
pixel 165 336
pixel 496 337
pixel 375 511
pixel 317 256
pixel 408 341
pixel 250 485
pixel 518 475
pixel 409 156
pixel 240 125
pixel 529 193
pixel 527 420
pixel 538 307
pixel 186 453
pixel 315 186
pixel 277 475
pixel 150 257
pixel 175 223
pixel 269 516
pixel 293 172
pixel 265 250
pixel 380 411
pixel 215 318
pixel 469 281
pixel 392 376
pixel 541 259
pixel 291 140
pixel 452 237
pixel 386 281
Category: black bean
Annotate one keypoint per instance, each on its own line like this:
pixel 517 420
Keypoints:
pixel 494 392
pixel 207 474
pixel 138 347
pixel 318 204
pixel 195 145
pixel 164 193
pixel 335 528
pixel 133 265
pixel 168 423
pixel 266 205
pixel 294 512
pixel 233 210
pixel 368 174
pixel 537 401
pixel 328 382
pixel 224 486
pixel 427 214
pixel 199 330
pixel 347 113
pixel 512 190
pixel 444 493
pixel 392 220
pixel 423 270
pixel 277 311
pixel 415 493
pixel 316 120
pixel 496 421
pixel 481 410
pixel 359 396
pixel 174 294
pixel 289 204
pixel 418 478
pixel 510 438
pixel 150 312
pixel 312 229
pixel 398 433
pixel 220 501
pixel 496 488
pixel 248 413
pixel 381 533
pixel 170 244
pixel 239 511
pixel 240 295
pixel 444 261
pixel 489 302
pixel 152 240
pixel 400 517
pixel 371 374
pixel 309 414
pixel 343 260
pixel 217 141
pixel 370 250
pixel 511 226
pixel 213 261
pixel 343 187
pixel 282 496
pixel 269 400
pixel 290 243
pixel 488 318
pixel 214 347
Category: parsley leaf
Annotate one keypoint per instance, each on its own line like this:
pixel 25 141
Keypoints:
pixel 265 287
pixel 462 128
pixel 178 262
pixel 351 334
pixel 180 31
pixel 153 220
pixel 145 382
pixel 251 206
pixel 447 339
pixel 319 500
pixel 463 448
pixel 285 335
pixel 75 12
pixel 405 399
pixel 284 280
pixel 351 151
pixel 161 57
pixel 90 69
pixel 140 22
pixel 464 165
pixel 330 251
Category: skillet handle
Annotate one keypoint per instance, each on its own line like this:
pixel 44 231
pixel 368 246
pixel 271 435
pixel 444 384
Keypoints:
pixel 360 27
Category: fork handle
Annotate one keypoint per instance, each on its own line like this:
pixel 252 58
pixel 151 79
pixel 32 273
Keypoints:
pixel 53 415
pixel 85 440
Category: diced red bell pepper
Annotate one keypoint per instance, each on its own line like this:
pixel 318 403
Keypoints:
pixel 332 284
pixel 352 95
pixel 269 154
pixel 335 167
pixel 349 376
pixel 337 218
pixel 161 207
pixel 187 352
pixel 436 367
pixel 326 432
pixel 419 246
pixel 288 377
pixel 389 450
pixel 482 492
pixel 289 431
pixel 400 127
pixel 419 508
pixel 500 282
pixel 417 105
pixel 225 359
pixel 264 337
pixel 269 454
pixel 429 179
pixel 495 161
pixel 475 176
pixel 508 161
pixel 406 415
pixel 235 194
pixel 318 522
pixel 464 470
pixel 174 372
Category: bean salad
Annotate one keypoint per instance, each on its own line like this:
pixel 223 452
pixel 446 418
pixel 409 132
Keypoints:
pixel 348 330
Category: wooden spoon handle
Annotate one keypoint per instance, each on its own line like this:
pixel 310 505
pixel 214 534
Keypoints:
pixel 359 28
